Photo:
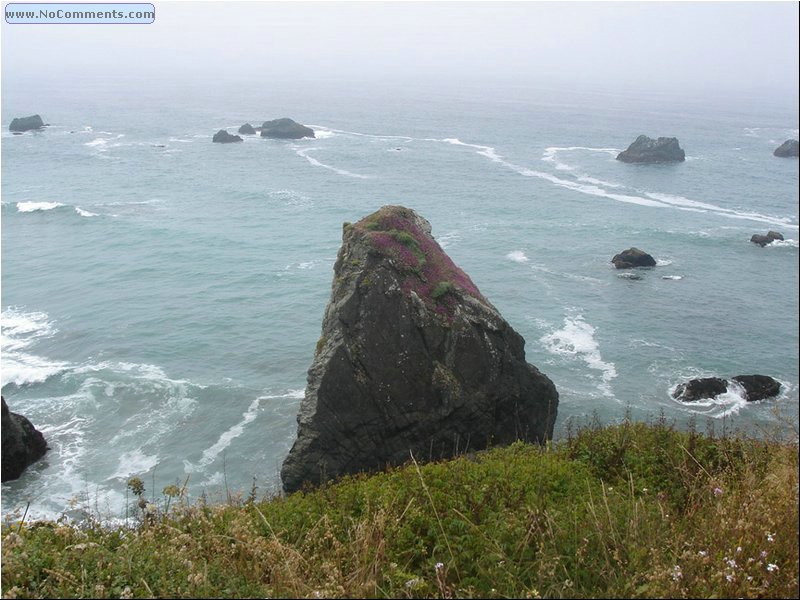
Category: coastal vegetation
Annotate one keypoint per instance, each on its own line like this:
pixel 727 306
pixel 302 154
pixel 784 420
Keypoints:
pixel 626 510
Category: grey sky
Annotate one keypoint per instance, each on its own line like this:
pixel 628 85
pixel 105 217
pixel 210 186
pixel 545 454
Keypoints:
pixel 739 45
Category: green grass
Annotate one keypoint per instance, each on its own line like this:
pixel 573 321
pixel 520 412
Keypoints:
pixel 630 510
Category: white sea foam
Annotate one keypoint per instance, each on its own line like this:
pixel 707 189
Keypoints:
pixel 594 180
pixel 315 162
pixel 368 135
pixel 210 454
pixel 551 155
pixel 517 256
pixel 447 239
pixel 577 338
pixel 663 262
pixel 85 213
pixel 134 462
pixel 672 277
pixel 782 244
pixel 25 207
pixel 22 368
pixel 291 198
pixel 322 134
pixel 19 330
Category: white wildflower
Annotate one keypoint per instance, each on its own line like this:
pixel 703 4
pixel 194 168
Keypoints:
pixel 412 583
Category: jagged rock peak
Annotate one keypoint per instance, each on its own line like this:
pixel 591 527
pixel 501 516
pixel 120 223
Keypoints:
pixel 647 150
pixel 26 123
pixel 412 359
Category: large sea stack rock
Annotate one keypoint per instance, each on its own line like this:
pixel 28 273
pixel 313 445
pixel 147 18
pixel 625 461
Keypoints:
pixel 633 257
pixel 247 129
pixel 285 129
pixel 26 123
pixel 763 240
pixel 223 137
pixel 412 359
pixel 789 148
pixel 648 150
pixel 22 445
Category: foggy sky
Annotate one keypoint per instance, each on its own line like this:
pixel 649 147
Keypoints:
pixel 685 45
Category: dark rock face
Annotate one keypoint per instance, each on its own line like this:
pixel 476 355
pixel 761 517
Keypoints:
pixel 648 150
pixel 247 129
pixel 758 387
pixel 412 358
pixel 26 123
pixel 699 389
pixel 285 129
pixel 763 240
pixel 23 444
pixel 633 257
pixel 223 137
pixel 789 148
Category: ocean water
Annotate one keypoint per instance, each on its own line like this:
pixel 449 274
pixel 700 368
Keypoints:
pixel 162 295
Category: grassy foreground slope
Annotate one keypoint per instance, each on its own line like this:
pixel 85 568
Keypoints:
pixel 630 510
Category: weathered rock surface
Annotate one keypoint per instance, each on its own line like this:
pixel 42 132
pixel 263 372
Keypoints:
pixel 412 359
pixel 633 257
pixel 756 387
pixel 22 443
pixel 648 150
pixel 763 240
pixel 247 129
pixel 699 389
pixel 285 129
pixel 789 148
pixel 223 137
pixel 26 123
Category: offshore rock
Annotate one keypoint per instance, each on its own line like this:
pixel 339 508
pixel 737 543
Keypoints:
pixel 223 137
pixel 412 359
pixel 22 443
pixel 648 150
pixel 247 129
pixel 633 257
pixel 763 240
pixel 285 129
pixel 789 148
pixel 700 389
pixel 758 387
pixel 26 123
pixel 755 387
